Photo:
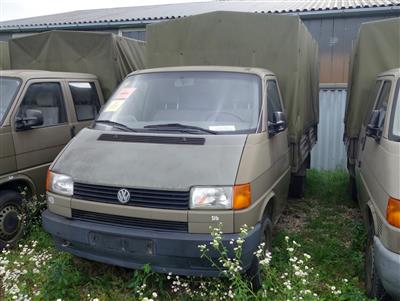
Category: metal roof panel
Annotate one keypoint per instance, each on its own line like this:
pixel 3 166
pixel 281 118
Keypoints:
pixel 172 11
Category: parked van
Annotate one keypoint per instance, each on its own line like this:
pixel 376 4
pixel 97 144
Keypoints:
pixel 178 150
pixel 40 112
pixel 374 153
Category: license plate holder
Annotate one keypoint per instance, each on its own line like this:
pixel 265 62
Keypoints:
pixel 131 245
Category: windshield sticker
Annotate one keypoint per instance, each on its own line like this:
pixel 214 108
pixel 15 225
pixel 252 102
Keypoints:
pixel 222 128
pixel 114 106
pixel 124 93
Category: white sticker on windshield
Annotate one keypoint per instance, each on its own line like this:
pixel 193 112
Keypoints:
pixel 114 106
pixel 222 128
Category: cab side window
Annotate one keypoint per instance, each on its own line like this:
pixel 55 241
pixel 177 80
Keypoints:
pixel 273 100
pixel 47 98
pixel 383 99
pixel 86 100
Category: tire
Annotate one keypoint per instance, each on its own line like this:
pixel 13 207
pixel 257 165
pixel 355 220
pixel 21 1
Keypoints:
pixel 297 187
pixel 254 273
pixel 12 218
pixel 373 284
pixel 353 188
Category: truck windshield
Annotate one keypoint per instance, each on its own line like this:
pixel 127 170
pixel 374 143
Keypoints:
pixel 196 102
pixel 396 115
pixel 8 89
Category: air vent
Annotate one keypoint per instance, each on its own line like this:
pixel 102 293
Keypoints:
pixel 131 222
pixel 152 139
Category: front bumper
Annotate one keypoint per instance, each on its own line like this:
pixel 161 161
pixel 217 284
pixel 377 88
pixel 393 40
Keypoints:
pixel 388 267
pixel 165 251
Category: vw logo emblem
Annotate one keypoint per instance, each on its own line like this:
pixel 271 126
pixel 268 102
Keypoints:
pixel 123 196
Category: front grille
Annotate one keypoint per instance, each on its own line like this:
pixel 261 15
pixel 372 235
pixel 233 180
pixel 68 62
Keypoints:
pixel 178 200
pixel 132 222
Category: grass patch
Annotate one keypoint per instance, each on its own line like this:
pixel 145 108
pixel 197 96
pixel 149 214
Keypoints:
pixel 326 223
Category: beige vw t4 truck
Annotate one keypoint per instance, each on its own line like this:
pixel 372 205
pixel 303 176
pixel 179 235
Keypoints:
pixel 373 138
pixel 177 150
pixel 40 112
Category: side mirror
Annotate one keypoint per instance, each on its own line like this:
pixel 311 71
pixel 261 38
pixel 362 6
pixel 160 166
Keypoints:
pixel 374 127
pixel 278 123
pixel 30 119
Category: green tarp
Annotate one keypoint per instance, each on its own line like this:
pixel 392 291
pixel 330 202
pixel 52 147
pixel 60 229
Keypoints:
pixel 106 55
pixel 4 56
pixel 281 44
pixel 376 50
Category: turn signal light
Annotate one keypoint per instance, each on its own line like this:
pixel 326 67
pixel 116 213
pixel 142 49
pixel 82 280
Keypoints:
pixel 241 196
pixel 48 179
pixel 393 212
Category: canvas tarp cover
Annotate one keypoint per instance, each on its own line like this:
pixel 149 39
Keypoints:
pixel 106 55
pixel 377 50
pixel 281 44
pixel 4 56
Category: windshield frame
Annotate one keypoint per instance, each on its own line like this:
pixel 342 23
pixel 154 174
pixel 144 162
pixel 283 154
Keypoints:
pixel 394 108
pixel 254 130
pixel 6 112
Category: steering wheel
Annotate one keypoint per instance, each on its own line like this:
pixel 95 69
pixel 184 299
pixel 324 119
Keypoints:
pixel 216 114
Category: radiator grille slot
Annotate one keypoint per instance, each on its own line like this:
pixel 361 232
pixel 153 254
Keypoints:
pixel 131 222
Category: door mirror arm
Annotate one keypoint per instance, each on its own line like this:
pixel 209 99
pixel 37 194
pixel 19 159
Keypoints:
pixel 30 119
pixel 278 124
pixel 375 124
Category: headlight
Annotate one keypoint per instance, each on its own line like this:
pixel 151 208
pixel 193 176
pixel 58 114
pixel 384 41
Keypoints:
pixel 211 198
pixel 230 197
pixel 60 184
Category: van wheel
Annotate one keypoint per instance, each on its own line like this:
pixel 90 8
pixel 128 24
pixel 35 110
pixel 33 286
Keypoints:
pixel 297 187
pixel 12 219
pixel 373 284
pixel 353 188
pixel 254 273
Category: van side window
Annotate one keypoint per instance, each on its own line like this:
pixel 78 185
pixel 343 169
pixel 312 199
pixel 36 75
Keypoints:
pixel 47 98
pixel 273 100
pixel 86 100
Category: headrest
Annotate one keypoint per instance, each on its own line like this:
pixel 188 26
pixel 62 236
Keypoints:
pixel 45 99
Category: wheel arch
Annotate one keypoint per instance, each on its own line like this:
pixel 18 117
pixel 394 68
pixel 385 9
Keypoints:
pixel 268 207
pixel 370 217
pixel 15 182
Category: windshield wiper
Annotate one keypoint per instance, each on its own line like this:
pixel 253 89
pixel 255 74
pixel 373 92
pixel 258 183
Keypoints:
pixel 179 126
pixel 117 125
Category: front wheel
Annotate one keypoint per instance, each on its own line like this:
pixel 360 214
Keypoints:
pixel 255 273
pixel 12 221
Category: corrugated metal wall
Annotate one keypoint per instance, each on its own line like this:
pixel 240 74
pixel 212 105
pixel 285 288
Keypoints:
pixel 330 153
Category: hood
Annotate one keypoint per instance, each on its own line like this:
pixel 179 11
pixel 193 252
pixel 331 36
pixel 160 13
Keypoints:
pixel 151 161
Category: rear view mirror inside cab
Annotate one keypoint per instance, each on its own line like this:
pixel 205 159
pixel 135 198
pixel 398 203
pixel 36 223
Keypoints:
pixel 184 82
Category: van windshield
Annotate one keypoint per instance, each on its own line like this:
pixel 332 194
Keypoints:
pixel 396 118
pixel 8 89
pixel 203 102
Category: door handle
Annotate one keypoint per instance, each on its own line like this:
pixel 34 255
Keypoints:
pixel 72 131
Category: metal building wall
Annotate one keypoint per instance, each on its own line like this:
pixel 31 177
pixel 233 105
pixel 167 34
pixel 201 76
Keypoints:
pixel 329 153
